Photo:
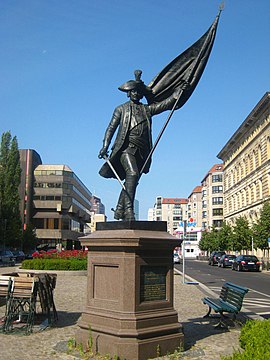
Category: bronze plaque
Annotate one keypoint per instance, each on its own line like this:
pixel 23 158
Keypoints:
pixel 153 283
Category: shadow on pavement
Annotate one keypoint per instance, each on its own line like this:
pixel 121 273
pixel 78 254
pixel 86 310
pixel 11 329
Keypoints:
pixel 200 328
pixel 67 318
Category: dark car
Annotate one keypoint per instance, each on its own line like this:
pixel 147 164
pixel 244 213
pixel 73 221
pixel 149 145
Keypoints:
pixel 214 257
pixel 246 262
pixel 7 258
pixel 226 260
pixel 19 255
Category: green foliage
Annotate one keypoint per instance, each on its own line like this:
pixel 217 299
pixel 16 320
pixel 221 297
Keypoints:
pixel 262 228
pixel 10 177
pixel 29 238
pixel 55 264
pixel 216 239
pixel 254 340
pixel 242 234
pixel 224 237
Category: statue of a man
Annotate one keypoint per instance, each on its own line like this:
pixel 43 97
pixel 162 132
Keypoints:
pixel 133 141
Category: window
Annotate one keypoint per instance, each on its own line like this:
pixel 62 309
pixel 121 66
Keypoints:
pixel 204 214
pixel 217 200
pixel 217 189
pixel 218 211
pixel 217 178
pixel 217 223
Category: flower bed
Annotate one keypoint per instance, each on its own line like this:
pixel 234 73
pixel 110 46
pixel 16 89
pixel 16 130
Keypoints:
pixel 54 260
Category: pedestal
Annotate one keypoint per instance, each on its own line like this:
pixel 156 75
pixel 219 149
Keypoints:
pixel 129 310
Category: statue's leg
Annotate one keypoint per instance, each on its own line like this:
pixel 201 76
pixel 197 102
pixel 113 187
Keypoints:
pixel 129 163
pixel 120 207
pixel 131 185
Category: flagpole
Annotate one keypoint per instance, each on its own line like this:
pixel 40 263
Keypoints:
pixel 179 96
pixel 161 132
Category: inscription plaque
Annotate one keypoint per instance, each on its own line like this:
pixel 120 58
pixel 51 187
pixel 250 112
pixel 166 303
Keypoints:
pixel 153 283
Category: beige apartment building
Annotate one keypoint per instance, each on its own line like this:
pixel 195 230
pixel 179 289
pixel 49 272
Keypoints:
pixel 246 158
pixel 195 206
pixel 171 210
pixel 212 198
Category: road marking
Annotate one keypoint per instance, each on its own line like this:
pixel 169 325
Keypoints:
pixel 263 313
pixel 258 292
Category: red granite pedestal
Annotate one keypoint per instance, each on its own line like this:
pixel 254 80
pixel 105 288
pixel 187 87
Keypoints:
pixel 129 311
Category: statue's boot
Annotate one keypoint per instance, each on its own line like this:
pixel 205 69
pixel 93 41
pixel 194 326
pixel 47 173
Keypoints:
pixel 119 211
pixel 130 185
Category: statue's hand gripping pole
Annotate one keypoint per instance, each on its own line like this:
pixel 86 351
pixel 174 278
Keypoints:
pixel 106 158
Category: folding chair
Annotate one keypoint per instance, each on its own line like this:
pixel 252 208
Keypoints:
pixel 5 288
pixel 21 305
pixel 47 284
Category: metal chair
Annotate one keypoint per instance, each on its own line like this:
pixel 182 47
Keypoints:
pixel 5 288
pixel 21 305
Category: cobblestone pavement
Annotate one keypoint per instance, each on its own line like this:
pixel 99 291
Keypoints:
pixel 202 340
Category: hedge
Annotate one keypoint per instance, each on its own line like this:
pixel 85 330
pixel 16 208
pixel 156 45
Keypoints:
pixel 55 264
pixel 254 340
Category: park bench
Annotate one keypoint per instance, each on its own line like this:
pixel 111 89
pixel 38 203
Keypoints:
pixel 230 301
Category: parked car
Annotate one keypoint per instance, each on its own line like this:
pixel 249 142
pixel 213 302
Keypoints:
pixel 29 254
pixel 176 258
pixel 7 258
pixel 226 260
pixel 246 262
pixel 214 257
pixel 19 255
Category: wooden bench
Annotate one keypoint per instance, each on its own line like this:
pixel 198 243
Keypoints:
pixel 230 300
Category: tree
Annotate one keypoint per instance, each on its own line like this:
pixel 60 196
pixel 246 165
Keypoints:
pixel 224 237
pixel 10 177
pixel 242 235
pixel 209 240
pixel 29 238
pixel 262 228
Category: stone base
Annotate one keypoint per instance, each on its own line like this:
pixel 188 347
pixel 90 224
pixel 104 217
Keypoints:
pixel 129 311
pixel 131 348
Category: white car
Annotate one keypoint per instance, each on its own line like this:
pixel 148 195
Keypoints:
pixel 176 258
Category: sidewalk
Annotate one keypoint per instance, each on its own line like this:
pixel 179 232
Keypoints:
pixel 202 341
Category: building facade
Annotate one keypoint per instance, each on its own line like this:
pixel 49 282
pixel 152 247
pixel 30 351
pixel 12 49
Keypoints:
pixel 171 210
pixel 61 206
pixel 29 160
pixel 212 198
pixel 56 202
pixel 246 158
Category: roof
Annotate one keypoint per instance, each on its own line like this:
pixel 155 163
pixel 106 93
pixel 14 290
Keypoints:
pixel 214 168
pixel 247 125
pixel 197 189
pixel 174 201
pixel 53 167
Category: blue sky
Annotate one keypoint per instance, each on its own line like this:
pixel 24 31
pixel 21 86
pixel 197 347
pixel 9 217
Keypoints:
pixel 62 61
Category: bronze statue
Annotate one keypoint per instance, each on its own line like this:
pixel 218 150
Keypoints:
pixel 169 90
pixel 133 141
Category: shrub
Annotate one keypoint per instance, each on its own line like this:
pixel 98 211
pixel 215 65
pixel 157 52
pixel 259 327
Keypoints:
pixel 55 264
pixel 254 340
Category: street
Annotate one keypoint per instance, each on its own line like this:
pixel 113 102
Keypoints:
pixel 257 299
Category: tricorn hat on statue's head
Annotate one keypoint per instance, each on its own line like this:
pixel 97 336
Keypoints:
pixel 137 84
